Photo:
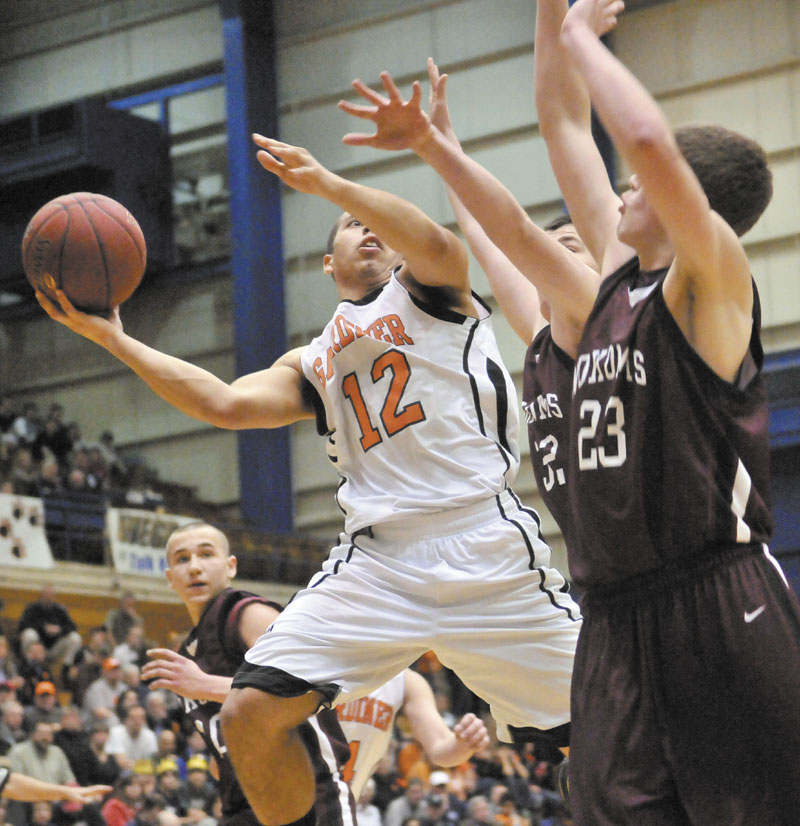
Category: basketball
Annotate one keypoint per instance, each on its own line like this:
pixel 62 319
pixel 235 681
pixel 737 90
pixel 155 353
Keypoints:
pixel 88 245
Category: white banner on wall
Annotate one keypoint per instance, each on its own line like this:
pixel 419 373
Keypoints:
pixel 138 537
pixel 23 542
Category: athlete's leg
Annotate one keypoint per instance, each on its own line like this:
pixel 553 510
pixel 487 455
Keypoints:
pixel 268 755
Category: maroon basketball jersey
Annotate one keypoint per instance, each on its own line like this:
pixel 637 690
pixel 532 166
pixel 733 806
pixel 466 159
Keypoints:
pixel 667 460
pixel 216 645
pixel 546 397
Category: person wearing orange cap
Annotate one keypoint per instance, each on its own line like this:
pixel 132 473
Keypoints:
pixel 45 707
pixel 101 695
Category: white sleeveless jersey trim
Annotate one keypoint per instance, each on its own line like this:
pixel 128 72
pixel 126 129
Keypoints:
pixel 368 725
pixel 422 413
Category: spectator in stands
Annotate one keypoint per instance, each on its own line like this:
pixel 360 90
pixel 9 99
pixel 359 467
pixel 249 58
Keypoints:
pixel 76 481
pixel 199 791
pixel 88 663
pixel 132 677
pixel 131 739
pixel 121 619
pixel 53 437
pixel 410 804
pixel 195 745
pixel 49 482
pixel 12 731
pixel 121 807
pixel 118 470
pixel 42 813
pixel 128 699
pixel 150 811
pixel 7 414
pixel 367 814
pixel 134 649
pixel 454 809
pixel 80 460
pixel 157 713
pixel 101 767
pixel 73 740
pixel 145 773
pixel 33 669
pixel 168 750
pixel 170 786
pixel 479 812
pixel 23 474
pixel 8 667
pixel 45 707
pixel 140 492
pixel 38 757
pixel 47 621
pixel 25 426
pixel 101 696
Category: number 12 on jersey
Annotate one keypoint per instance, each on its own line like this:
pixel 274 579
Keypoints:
pixel 393 414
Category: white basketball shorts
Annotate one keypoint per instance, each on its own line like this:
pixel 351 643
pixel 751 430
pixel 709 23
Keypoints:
pixel 471 584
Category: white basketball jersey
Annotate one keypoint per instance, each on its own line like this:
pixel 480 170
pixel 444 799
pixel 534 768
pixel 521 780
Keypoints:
pixel 421 412
pixel 368 725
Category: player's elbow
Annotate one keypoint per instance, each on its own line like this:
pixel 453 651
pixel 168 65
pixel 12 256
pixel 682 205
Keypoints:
pixel 650 141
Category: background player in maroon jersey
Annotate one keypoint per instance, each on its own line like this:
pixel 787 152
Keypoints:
pixel 227 622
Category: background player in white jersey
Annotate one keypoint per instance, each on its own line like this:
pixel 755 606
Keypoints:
pixel 437 554
pixel 368 725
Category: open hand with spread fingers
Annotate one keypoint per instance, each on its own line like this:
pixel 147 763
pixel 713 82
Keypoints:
pixel 400 124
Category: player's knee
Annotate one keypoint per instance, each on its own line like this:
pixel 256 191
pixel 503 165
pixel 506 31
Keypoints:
pixel 246 710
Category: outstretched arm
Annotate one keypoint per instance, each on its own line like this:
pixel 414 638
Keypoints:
pixel 708 288
pixel 517 297
pixel 29 789
pixel 442 746
pixel 269 398
pixel 434 255
pixel 563 281
pixel 564 111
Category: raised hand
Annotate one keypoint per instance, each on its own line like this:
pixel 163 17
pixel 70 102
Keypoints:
pixel 94 327
pixel 438 111
pixel 295 166
pixel 400 124
pixel 599 15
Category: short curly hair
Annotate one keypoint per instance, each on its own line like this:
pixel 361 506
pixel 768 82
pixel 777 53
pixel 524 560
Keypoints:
pixel 731 168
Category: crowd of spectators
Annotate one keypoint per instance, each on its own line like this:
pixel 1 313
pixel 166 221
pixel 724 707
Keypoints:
pixel 79 713
pixel 47 456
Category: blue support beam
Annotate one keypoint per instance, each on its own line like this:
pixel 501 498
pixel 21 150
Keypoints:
pixel 257 250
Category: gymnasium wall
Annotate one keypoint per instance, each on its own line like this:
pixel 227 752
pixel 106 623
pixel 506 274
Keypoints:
pixel 732 61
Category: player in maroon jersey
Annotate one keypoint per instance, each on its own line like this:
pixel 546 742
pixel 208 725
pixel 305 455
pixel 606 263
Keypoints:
pixel 686 685
pixel 227 622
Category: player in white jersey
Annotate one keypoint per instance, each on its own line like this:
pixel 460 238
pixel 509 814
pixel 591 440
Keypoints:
pixel 412 374
pixel 368 725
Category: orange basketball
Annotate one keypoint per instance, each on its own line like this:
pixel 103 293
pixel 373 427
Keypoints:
pixel 88 245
